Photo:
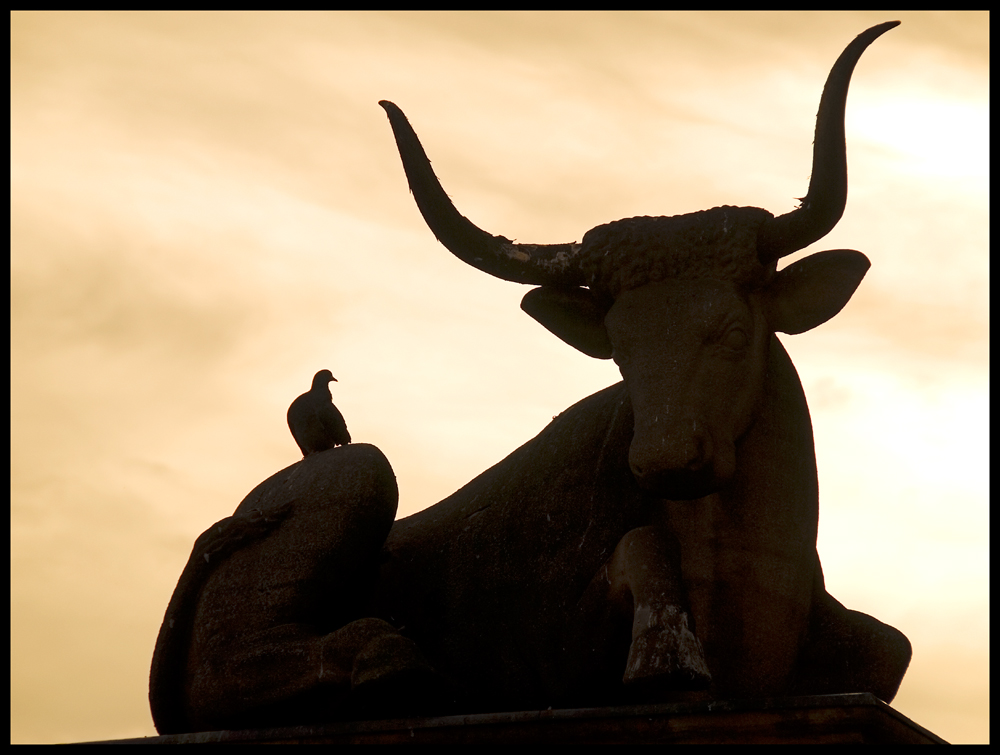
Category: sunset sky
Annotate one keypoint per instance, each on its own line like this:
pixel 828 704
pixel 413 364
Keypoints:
pixel 207 208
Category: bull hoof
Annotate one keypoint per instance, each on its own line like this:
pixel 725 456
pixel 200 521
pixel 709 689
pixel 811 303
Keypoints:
pixel 392 677
pixel 666 651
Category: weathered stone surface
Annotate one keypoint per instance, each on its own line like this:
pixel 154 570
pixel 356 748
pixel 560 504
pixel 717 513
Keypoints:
pixel 656 542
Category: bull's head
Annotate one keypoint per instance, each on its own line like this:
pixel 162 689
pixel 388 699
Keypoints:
pixel 685 305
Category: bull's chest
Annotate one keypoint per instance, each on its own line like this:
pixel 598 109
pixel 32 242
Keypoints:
pixel 749 586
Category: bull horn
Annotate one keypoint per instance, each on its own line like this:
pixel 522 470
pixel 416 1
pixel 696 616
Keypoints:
pixel 824 203
pixel 538 264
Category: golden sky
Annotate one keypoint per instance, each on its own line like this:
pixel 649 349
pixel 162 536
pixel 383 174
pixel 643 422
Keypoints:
pixel 207 208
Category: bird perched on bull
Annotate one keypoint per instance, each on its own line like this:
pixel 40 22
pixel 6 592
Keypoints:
pixel 316 424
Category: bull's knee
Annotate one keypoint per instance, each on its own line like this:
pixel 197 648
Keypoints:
pixel 646 564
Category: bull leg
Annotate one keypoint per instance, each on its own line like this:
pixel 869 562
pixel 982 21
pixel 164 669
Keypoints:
pixel 288 674
pixel 271 675
pixel 849 651
pixel 664 644
pixel 643 577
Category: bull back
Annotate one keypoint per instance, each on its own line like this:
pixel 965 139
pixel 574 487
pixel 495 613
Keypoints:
pixel 486 579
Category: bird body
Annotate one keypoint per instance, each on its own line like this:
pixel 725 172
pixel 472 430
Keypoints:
pixel 316 424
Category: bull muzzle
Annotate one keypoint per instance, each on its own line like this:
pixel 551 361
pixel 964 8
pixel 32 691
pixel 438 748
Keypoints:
pixel 680 465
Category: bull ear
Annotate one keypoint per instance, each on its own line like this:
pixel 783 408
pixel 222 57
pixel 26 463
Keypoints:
pixel 814 289
pixel 573 314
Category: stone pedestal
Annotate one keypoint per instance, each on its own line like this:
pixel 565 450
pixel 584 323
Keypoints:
pixel 826 719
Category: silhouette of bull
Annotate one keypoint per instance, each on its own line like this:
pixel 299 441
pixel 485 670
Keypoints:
pixel 661 533
pixel 657 541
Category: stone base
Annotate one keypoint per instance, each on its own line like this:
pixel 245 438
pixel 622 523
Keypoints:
pixel 826 719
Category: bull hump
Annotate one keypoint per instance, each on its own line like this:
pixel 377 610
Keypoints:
pixel 356 481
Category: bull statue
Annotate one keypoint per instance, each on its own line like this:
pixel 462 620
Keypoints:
pixel 661 533
pixel 655 542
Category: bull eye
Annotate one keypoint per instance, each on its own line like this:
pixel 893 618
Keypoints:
pixel 734 339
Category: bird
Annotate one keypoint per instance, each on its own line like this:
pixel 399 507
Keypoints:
pixel 316 424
